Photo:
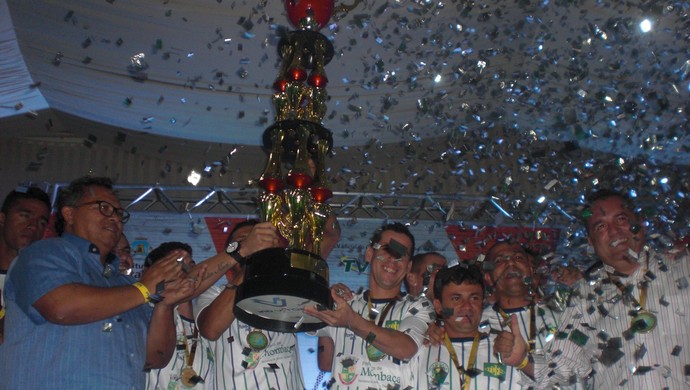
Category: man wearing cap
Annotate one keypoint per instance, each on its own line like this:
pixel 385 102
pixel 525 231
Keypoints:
pixel 372 337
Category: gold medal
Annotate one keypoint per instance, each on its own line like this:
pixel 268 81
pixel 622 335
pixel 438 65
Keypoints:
pixel 189 377
pixel 257 340
pixel 643 322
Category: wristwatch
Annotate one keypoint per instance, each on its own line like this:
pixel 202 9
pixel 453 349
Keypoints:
pixel 233 250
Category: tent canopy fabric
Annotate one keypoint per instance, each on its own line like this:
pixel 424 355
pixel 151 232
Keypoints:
pixel 203 70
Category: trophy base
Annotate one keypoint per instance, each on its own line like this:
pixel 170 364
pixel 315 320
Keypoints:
pixel 278 285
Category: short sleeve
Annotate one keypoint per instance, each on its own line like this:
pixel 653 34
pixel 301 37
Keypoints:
pixel 41 268
pixel 205 299
pixel 417 319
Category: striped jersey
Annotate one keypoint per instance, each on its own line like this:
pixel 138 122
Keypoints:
pixel 435 370
pixel 352 368
pixel 169 377
pixel 595 331
pixel 547 322
pixel 238 366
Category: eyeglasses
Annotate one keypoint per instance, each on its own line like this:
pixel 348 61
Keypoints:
pixel 107 210
pixel 393 251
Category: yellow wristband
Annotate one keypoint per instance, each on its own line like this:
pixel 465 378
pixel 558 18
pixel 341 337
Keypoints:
pixel 524 363
pixel 143 290
pixel 2 313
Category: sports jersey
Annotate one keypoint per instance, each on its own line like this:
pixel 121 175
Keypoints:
pixel 240 366
pixel 352 367
pixel 547 322
pixel 170 376
pixel 595 331
pixel 435 370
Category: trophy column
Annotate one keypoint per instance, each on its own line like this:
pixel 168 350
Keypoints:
pixel 280 282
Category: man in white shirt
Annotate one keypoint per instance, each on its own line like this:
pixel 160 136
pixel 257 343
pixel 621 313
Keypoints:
pixel 372 337
pixel 627 325
pixel 244 357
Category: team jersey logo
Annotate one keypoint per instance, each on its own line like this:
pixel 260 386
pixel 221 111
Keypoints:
pixel 392 324
pixel 495 370
pixel 437 374
pixel 348 371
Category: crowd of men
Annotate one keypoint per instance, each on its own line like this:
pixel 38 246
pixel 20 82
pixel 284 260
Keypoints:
pixel 72 316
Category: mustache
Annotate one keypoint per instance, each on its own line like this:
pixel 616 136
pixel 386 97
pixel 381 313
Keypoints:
pixel 511 272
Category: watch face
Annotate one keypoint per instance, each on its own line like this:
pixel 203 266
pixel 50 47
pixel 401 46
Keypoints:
pixel 232 247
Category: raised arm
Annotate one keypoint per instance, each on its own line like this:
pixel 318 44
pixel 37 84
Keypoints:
pixel 77 303
pixel 161 336
pixel 215 318
pixel 262 236
pixel 392 342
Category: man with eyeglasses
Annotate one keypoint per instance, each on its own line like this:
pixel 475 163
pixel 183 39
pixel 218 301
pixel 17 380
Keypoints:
pixel 420 279
pixel 372 337
pixel 23 219
pixel 73 320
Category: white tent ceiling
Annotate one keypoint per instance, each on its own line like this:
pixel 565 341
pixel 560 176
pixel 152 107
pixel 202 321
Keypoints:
pixel 564 70
pixel 461 88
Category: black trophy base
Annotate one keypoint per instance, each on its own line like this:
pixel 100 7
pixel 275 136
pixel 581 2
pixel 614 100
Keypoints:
pixel 278 285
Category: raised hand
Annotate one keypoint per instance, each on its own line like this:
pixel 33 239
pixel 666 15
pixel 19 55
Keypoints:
pixel 341 316
pixel 511 345
pixel 262 236
pixel 165 270
pixel 434 334
pixel 181 289
pixel 342 291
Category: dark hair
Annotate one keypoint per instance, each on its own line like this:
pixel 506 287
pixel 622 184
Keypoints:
pixel 238 226
pixel 21 193
pixel 523 246
pixel 603 194
pixel 163 249
pixel 394 227
pixel 72 194
pixel 418 259
pixel 458 274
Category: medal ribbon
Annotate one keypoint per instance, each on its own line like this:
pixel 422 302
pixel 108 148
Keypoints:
pixel 643 289
pixel 532 325
pixel 385 311
pixel 189 352
pixel 470 363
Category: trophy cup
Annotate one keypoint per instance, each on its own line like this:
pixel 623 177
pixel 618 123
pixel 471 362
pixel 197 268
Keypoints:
pixel 280 282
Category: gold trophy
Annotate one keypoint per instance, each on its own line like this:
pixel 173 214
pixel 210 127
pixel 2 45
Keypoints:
pixel 280 282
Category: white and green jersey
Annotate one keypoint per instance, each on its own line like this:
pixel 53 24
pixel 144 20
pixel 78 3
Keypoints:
pixel 435 370
pixel 352 367
pixel 239 366
pixel 169 377
pixel 547 322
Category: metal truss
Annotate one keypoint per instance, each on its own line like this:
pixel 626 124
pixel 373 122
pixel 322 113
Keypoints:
pixel 458 208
